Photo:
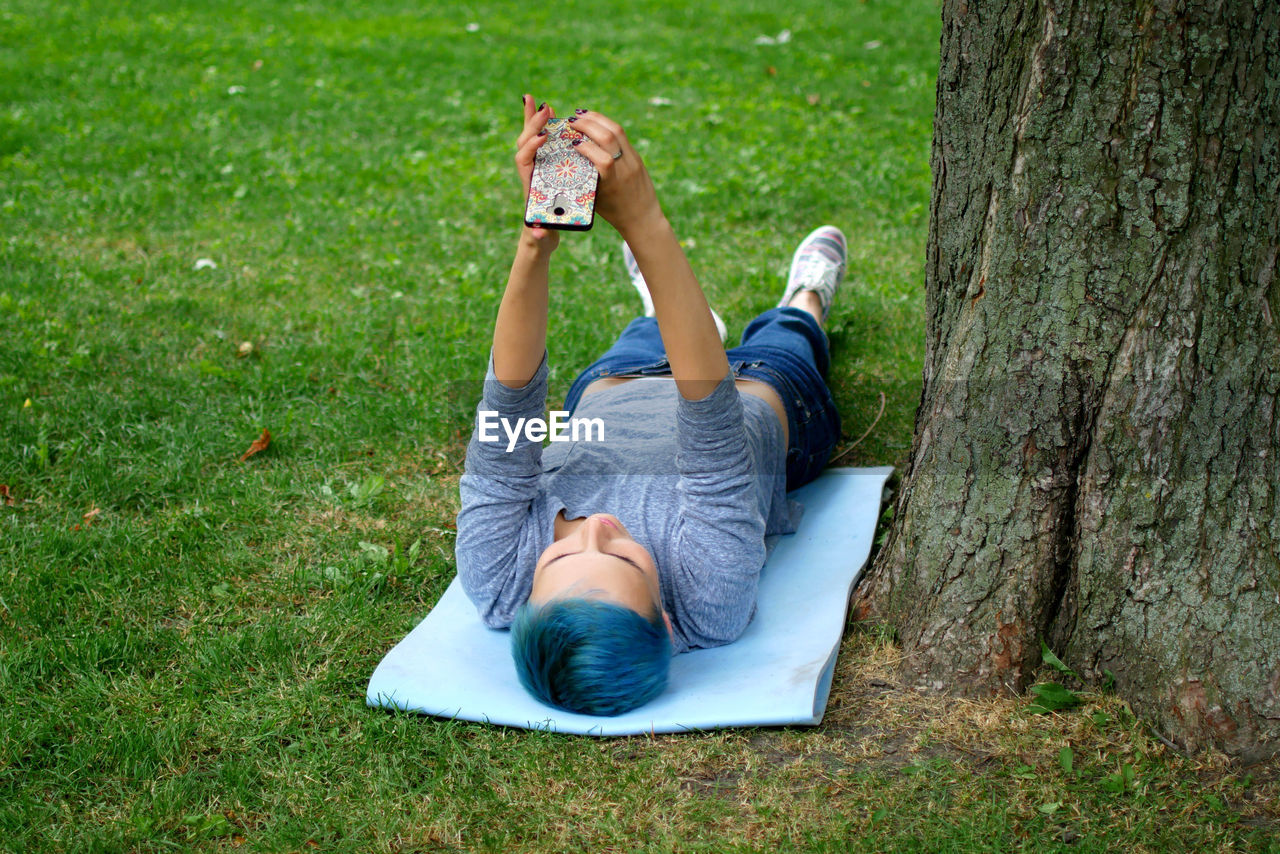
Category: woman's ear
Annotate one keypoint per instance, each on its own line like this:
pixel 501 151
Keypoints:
pixel 666 618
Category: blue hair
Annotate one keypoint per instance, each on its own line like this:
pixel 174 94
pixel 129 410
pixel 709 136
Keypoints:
pixel 590 657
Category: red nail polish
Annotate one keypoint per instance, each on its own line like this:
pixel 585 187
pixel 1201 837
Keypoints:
pixel 572 119
pixel 542 106
pixel 542 133
pixel 576 142
pixel 579 111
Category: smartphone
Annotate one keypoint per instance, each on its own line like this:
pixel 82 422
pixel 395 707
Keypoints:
pixel 562 193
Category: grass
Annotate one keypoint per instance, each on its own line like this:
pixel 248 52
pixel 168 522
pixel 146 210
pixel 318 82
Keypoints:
pixel 185 638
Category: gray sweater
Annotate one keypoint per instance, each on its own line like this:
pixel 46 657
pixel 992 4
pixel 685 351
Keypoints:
pixel 701 484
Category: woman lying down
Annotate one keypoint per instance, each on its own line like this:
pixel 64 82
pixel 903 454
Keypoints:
pixel 642 535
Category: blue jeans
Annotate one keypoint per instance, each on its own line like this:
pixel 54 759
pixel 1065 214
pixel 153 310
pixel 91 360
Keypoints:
pixel 784 348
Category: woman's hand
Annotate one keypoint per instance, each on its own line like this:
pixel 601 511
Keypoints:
pixel 527 144
pixel 625 196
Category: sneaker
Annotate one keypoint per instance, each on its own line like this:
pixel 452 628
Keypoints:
pixel 637 281
pixel 817 266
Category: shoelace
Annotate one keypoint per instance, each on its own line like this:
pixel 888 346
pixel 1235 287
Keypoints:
pixel 817 273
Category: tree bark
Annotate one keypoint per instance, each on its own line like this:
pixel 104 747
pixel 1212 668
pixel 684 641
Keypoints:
pixel 1096 460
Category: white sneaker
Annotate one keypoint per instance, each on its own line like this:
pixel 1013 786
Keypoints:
pixel 818 266
pixel 637 281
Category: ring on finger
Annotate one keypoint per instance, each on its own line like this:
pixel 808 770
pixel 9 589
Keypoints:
pixel 619 154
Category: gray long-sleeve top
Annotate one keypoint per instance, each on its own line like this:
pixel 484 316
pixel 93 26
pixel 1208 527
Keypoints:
pixel 701 484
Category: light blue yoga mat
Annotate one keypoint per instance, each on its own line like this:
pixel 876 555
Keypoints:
pixel 778 672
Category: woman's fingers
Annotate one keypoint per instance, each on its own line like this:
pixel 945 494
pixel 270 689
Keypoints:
pixel 535 118
pixel 601 124
pixel 605 135
pixel 530 140
pixel 591 150
pixel 531 137
pixel 525 156
pixel 528 148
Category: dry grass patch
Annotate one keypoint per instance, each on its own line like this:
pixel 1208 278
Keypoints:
pixel 889 757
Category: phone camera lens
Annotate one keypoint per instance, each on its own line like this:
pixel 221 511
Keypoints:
pixel 559 211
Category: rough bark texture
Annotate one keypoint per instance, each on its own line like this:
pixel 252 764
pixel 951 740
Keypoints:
pixel 1097 451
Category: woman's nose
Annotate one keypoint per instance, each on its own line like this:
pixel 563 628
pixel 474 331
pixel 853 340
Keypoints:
pixel 595 531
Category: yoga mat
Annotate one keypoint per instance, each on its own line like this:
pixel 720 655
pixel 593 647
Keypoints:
pixel 778 672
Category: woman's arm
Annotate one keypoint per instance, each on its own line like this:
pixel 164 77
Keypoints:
pixel 498 532
pixel 520 331
pixel 694 348
pixel 626 198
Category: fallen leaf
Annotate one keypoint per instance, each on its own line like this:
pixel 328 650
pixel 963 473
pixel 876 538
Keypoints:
pixel 6 495
pixel 245 349
pixel 259 444
pixel 771 71
pixel 91 515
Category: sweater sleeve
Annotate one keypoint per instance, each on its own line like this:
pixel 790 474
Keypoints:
pixel 720 537
pixel 498 532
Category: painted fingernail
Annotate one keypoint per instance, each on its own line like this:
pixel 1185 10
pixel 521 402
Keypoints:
pixel 542 133
pixel 542 106
pixel 576 142
pixel 579 111
pixel 572 119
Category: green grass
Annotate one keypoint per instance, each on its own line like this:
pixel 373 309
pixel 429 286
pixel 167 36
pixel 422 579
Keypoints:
pixel 185 638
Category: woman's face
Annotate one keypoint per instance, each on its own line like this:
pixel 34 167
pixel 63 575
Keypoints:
pixel 598 560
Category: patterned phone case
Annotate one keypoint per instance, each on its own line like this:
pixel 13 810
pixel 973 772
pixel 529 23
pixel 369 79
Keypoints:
pixel 562 193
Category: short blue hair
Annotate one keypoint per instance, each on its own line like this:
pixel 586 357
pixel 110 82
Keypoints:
pixel 590 657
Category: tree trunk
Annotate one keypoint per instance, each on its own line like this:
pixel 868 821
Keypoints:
pixel 1097 452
